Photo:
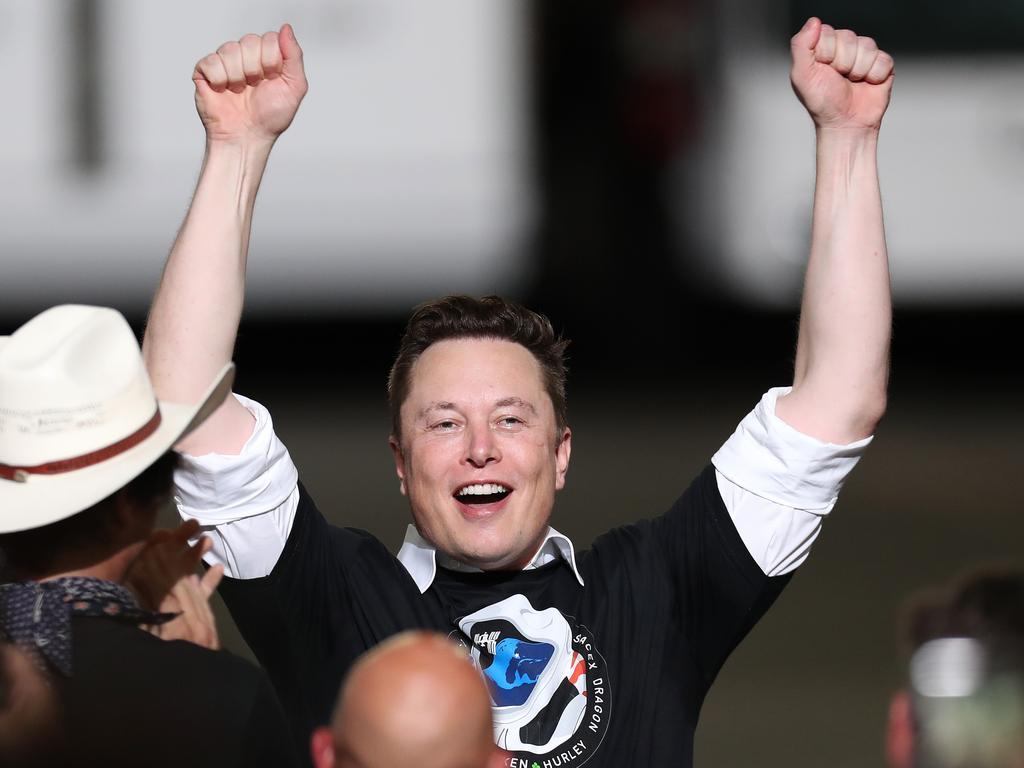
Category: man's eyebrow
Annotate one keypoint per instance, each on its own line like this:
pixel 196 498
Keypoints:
pixel 438 405
pixel 517 402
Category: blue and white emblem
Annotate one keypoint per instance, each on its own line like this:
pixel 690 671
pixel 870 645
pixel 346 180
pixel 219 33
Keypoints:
pixel 547 682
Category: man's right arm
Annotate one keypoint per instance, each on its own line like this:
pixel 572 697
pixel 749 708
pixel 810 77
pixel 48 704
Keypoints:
pixel 247 94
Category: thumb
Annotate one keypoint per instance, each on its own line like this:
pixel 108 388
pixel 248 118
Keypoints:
pixel 211 579
pixel 291 53
pixel 803 42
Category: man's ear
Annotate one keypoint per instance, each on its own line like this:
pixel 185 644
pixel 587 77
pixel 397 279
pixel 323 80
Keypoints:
pixel 899 737
pixel 321 747
pixel 562 452
pixel 396 450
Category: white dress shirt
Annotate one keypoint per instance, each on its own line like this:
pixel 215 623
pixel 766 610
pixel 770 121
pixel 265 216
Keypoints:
pixel 777 484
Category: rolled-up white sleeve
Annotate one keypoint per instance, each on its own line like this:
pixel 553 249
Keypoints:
pixel 245 503
pixel 778 484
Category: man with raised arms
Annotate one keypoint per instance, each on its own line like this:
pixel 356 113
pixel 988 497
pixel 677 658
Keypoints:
pixel 600 656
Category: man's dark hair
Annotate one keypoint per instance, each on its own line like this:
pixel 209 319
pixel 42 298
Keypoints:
pixel 37 551
pixel 984 604
pixel 492 317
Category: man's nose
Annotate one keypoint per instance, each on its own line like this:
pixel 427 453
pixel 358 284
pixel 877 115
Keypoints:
pixel 481 446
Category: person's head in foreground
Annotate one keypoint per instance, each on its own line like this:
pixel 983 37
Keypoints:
pixel 964 703
pixel 85 448
pixel 415 699
pixel 479 427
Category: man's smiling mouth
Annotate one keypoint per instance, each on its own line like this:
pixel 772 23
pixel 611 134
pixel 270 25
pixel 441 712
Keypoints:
pixel 482 493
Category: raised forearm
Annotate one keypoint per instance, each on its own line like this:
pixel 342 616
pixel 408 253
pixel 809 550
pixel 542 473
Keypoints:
pixel 842 359
pixel 247 94
pixel 195 314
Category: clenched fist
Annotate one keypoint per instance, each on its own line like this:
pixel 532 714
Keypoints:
pixel 251 88
pixel 843 80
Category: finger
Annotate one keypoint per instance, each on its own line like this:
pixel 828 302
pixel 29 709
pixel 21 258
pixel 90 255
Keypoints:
pixel 186 530
pixel 825 51
pixel 189 555
pixel 251 59
pixel 802 43
pixel 231 55
pixel 867 51
pixel 270 55
pixel 202 616
pixel 291 53
pixel 211 579
pixel 210 69
pixel 186 593
pixel 846 51
pixel 881 70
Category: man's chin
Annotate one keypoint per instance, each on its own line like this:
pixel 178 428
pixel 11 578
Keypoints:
pixel 497 558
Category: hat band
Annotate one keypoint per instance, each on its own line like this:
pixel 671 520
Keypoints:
pixel 20 474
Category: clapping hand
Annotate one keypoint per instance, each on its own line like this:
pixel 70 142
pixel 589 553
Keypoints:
pixel 164 578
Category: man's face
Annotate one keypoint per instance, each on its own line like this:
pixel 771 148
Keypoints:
pixel 480 457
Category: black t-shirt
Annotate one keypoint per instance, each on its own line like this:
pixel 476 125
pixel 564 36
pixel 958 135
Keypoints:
pixel 134 699
pixel 611 673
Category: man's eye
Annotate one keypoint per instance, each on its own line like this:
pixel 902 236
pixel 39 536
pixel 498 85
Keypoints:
pixel 510 421
pixel 445 426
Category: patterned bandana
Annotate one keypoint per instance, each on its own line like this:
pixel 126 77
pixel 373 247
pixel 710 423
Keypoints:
pixel 36 615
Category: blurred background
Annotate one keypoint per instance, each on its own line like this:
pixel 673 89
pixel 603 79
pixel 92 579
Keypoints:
pixel 640 171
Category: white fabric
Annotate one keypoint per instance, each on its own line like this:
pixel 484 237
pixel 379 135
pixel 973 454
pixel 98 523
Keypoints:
pixel 777 485
pixel 245 503
pixel 421 559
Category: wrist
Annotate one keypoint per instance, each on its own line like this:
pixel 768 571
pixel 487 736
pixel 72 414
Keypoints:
pixel 848 134
pixel 247 145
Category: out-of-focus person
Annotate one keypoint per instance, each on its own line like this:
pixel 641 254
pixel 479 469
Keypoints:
pixel 963 706
pixel 415 699
pixel 28 711
pixel 85 465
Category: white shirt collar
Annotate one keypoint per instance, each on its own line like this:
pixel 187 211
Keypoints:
pixel 421 559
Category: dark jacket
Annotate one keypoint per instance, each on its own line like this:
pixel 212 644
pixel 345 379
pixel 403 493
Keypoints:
pixel 134 699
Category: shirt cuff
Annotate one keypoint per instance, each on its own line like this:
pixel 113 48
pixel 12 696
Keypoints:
pixel 218 488
pixel 771 459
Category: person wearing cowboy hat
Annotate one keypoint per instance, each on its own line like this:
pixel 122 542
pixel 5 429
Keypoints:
pixel 86 462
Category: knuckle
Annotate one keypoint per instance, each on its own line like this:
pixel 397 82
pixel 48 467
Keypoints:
pixel 229 48
pixel 868 42
pixel 249 39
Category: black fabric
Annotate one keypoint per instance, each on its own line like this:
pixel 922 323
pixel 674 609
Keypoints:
pixel 614 675
pixel 135 699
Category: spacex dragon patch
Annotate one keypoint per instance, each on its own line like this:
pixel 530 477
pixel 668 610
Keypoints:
pixel 548 683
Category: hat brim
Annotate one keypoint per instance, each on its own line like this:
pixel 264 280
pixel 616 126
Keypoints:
pixel 45 499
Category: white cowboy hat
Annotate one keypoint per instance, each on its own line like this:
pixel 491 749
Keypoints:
pixel 78 417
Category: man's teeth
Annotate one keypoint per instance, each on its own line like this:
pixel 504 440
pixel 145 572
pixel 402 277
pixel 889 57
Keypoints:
pixel 482 489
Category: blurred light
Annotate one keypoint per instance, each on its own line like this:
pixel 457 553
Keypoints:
pixel 948 667
pixel 405 175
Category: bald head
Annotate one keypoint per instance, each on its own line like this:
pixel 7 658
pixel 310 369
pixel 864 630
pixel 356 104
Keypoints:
pixel 414 700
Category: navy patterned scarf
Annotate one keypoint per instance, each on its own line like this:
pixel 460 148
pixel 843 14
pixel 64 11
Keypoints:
pixel 36 615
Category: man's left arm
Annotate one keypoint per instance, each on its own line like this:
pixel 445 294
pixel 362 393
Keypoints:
pixel 781 471
pixel 842 358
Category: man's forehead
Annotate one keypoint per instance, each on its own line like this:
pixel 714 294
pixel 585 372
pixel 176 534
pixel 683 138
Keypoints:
pixel 475 363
